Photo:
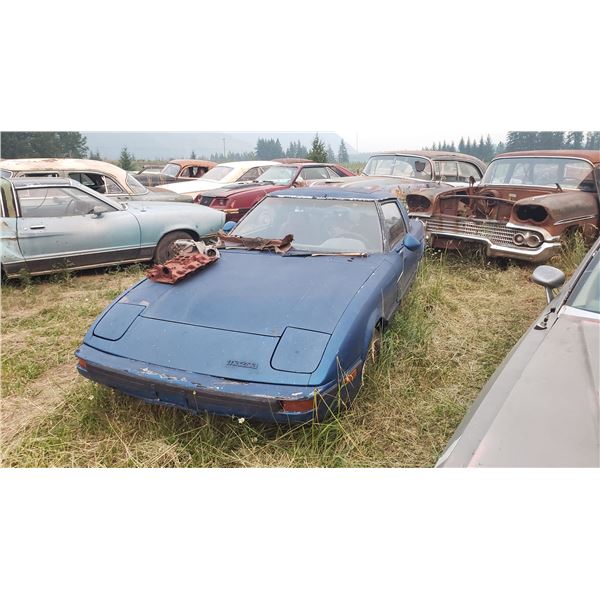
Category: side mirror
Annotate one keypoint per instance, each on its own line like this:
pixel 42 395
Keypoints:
pixel 229 226
pixel 97 211
pixel 549 277
pixel 411 243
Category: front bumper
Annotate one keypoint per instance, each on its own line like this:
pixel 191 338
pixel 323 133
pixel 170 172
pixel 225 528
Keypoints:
pixel 497 237
pixel 203 393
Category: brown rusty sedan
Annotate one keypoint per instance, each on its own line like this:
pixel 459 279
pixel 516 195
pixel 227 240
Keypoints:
pixel 174 171
pixel 524 207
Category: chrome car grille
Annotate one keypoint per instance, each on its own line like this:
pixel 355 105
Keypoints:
pixel 495 232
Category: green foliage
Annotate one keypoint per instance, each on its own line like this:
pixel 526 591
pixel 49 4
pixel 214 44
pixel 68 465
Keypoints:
pixel 268 149
pixel 95 155
pixel 330 154
pixel 296 150
pixel 318 152
pixel 193 155
pixel 343 153
pixel 126 159
pixel 219 157
pixel 43 144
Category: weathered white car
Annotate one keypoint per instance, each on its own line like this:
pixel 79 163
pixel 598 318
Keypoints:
pixel 221 175
pixel 102 177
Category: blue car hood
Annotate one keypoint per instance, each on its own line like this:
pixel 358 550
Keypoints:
pixel 260 293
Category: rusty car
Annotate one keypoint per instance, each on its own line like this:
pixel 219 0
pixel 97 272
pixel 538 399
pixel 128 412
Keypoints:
pixel 525 206
pixel 55 224
pixel 405 171
pixel 102 177
pixel 319 273
pixel 236 199
pixel 174 171
pixel 540 408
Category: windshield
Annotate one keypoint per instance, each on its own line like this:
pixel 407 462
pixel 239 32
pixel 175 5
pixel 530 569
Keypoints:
pixel 586 293
pixel 319 226
pixel 217 173
pixel 569 173
pixel 280 175
pixel 171 169
pixel 387 165
pixel 136 187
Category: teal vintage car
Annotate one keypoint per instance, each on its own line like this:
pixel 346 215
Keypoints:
pixel 55 224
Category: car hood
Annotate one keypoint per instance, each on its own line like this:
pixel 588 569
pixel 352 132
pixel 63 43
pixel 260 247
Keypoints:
pixel 192 187
pixel 235 188
pixel 260 293
pixel 545 413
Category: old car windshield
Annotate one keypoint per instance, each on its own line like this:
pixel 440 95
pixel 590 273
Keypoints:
pixel 412 167
pixel 280 175
pixel 136 187
pixel 319 226
pixel 586 293
pixel 569 173
pixel 217 173
pixel 171 169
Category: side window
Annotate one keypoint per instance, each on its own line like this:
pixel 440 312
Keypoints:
pixel 312 173
pixel 393 223
pixel 466 170
pixel 9 208
pixel 333 173
pixel 250 175
pixel 97 182
pixel 38 174
pixel 57 202
pixel 448 171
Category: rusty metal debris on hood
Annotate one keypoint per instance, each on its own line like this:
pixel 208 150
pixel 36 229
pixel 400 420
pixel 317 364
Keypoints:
pixel 280 246
pixel 192 257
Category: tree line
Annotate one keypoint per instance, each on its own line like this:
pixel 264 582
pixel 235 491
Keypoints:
pixel 523 140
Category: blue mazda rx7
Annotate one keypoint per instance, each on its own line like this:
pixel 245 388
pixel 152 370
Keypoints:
pixel 261 334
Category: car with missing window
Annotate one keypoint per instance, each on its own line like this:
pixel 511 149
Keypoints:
pixel 525 206
pixel 174 171
pixel 236 199
pixel 53 224
pixel 102 177
pixel 222 174
pixel 403 171
pixel 281 336
pixel 541 406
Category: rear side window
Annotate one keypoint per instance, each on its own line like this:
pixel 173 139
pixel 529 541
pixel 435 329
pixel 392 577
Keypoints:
pixel 97 182
pixel 136 187
pixel 312 173
pixel 42 203
pixel 39 174
pixel 393 223
pixel 250 175
pixel 466 170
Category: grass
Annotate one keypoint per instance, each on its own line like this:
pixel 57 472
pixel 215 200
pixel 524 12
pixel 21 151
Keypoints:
pixel 457 324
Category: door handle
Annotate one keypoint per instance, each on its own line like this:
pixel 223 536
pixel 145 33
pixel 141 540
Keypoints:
pixel 37 227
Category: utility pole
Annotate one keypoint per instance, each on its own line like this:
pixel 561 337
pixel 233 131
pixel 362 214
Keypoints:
pixel 224 152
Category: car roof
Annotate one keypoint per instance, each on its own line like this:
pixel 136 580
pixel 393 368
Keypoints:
pixel 247 163
pixel 76 164
pixel 592 155
pixel 432 154
pixel 30 182
pixel 182 162
pixel 333 193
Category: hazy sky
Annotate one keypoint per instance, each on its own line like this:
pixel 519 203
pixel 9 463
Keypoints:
pixel 397 74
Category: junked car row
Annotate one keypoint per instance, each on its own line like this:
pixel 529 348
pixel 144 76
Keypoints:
pixel 321 261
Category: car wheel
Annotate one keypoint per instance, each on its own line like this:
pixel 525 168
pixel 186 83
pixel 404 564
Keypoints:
pixel 373 354
pixel 166 250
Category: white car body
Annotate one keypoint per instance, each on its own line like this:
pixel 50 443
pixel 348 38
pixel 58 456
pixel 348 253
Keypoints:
pixel 240 170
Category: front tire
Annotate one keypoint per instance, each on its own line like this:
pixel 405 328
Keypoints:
pixel 165 249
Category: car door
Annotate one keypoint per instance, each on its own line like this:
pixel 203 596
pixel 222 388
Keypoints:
pixel 65 227
pixel 394 230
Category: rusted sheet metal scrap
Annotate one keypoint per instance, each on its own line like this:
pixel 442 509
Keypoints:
pixel 191 258
pixel 280 246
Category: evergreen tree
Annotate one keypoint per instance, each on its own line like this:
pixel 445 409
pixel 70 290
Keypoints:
pixel 193 155
pixel 330 154
pixel 126 159
pixel 343 153
pixel 461 145
pixel 43 144
pixel 550 140
pixel 592 140
pixel 488 149
pixel 318 152
pixel 574 140
pixel 500 148
pixel 95 155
